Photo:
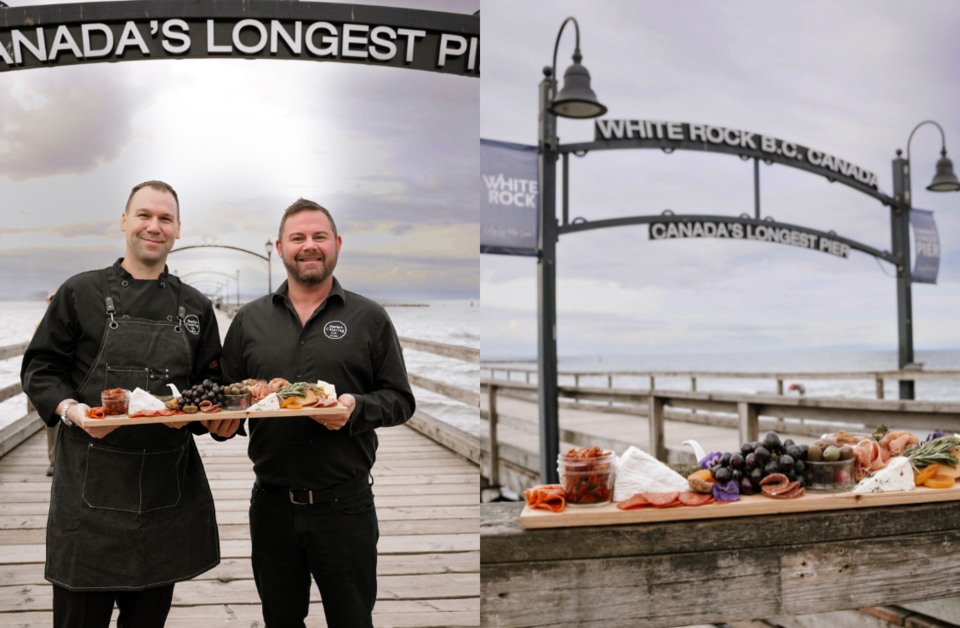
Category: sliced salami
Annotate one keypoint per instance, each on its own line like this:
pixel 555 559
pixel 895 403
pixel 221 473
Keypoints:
pixel 637 501
pixel 690 498
pixel 777 490
pixel 659 500
pixel 774 478
pixel 793 493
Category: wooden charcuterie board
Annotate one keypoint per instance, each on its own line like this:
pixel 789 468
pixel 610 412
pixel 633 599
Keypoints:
pixel 752 505
pixel 123 419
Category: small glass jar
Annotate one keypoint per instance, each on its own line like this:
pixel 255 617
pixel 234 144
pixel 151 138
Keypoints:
pixel 115 401
pixel 237 402
pixel 587 481
pixel 830 477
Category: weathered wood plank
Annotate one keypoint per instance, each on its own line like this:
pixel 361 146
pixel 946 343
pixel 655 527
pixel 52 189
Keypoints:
pixel 387 613
pixel 206 592
pixel 468 397
pixel 12 351
pixel 230 532
pixel 466 354
pixel 503 540
pixel 240 569
pixel 458 441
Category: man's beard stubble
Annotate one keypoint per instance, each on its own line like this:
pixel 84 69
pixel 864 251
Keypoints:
pixel 314 279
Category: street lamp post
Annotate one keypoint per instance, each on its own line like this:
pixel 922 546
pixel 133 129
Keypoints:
pixel 575 100
pixel 944 181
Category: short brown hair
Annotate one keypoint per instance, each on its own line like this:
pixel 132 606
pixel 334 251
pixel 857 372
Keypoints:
pixel 159 186
pixel 301 205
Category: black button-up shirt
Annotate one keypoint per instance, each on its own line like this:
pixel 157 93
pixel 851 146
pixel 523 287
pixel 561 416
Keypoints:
pixel 350 342
pixel 68 339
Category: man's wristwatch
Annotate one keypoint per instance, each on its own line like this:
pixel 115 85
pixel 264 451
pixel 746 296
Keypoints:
pixel 63 413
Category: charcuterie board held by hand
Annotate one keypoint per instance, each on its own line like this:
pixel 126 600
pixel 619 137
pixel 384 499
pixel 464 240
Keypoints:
pixel 122 419
pixel 748 506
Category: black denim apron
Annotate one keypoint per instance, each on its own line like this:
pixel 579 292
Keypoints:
pixel 132 510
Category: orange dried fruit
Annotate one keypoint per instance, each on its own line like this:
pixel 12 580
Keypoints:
pixel 939 481
pixel 919 477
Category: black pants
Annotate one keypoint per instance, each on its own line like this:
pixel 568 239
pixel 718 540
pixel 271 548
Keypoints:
pixel 335 542
pixel 92 609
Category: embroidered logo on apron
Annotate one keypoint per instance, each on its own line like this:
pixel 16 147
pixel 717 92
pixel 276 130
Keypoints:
pixel 334 330
pixel 192 323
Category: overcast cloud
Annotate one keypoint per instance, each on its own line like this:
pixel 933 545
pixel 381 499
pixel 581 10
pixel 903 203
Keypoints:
pixel 392 153
pixel 851 79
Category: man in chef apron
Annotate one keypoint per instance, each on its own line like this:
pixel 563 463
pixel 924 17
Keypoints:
pixel 131 512
pixel 312 514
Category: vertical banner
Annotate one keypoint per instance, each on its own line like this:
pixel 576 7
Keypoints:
pixel 926 244
pixel 510 198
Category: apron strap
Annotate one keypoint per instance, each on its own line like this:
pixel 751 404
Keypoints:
pixel 181 311
pixel 108 297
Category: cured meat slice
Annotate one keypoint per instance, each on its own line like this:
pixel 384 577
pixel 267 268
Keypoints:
pixel 777 490
pixel 659 500
pixel 793 493
pixel 774 478
pixel 637 501
pixel 690 498
pixel 326 403
pixel 167 412
pixel 546 497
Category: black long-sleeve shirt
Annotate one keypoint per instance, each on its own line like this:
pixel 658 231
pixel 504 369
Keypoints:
pixel 350 342
pixel 67 341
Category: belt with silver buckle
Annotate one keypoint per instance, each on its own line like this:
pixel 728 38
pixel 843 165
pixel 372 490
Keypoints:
pixel 303 497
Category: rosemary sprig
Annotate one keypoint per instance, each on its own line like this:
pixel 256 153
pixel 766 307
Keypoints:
pixel 938 450
pixel 298 390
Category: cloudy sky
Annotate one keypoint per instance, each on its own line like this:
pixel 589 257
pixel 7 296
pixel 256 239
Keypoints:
pixel 392 153
pixel 848 78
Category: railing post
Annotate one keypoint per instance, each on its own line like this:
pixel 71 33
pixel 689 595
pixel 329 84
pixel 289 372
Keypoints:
pixel 655 415
pixel 576 380
pixel 609 385
pixel 779 386
pixel 879 387
pixel 748 425
pixel 652 381
pixel 494 476
pixel 528 377
pixel 693 388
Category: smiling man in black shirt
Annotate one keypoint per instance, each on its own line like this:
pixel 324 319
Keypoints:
pixel 312 510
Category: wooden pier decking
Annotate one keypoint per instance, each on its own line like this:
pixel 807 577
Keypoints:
pixel 428 568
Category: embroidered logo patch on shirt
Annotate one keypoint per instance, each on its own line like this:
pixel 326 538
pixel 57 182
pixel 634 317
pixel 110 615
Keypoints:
pixel 192 323
pixel 334 330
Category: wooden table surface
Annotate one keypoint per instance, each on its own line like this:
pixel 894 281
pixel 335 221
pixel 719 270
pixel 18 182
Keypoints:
pixel 428 567
pixel 682 573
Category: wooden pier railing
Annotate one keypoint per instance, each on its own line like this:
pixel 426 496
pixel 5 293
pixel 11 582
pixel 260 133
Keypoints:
pixel 27 425
pixel 460 441
pixel 878 376
pixel 829 413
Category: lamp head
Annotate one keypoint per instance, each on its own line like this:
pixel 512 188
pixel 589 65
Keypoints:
pixel 945 180
pixel 576 99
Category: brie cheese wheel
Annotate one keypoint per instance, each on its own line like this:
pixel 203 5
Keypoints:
pixel 896 476
pixel 639 472
pixel 270 402
pixel 141 400
pixel 329 391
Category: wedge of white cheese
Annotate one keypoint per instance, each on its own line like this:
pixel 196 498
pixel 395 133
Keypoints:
pixel 270 402
pixel 896 476
pixel 142 401
pixel 329 391
pixel 639 472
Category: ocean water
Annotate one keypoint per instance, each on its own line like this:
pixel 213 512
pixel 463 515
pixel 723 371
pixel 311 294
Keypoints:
pixel 450 322
pixel 750 363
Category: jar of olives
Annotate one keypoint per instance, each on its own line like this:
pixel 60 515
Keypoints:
pixel 236 397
